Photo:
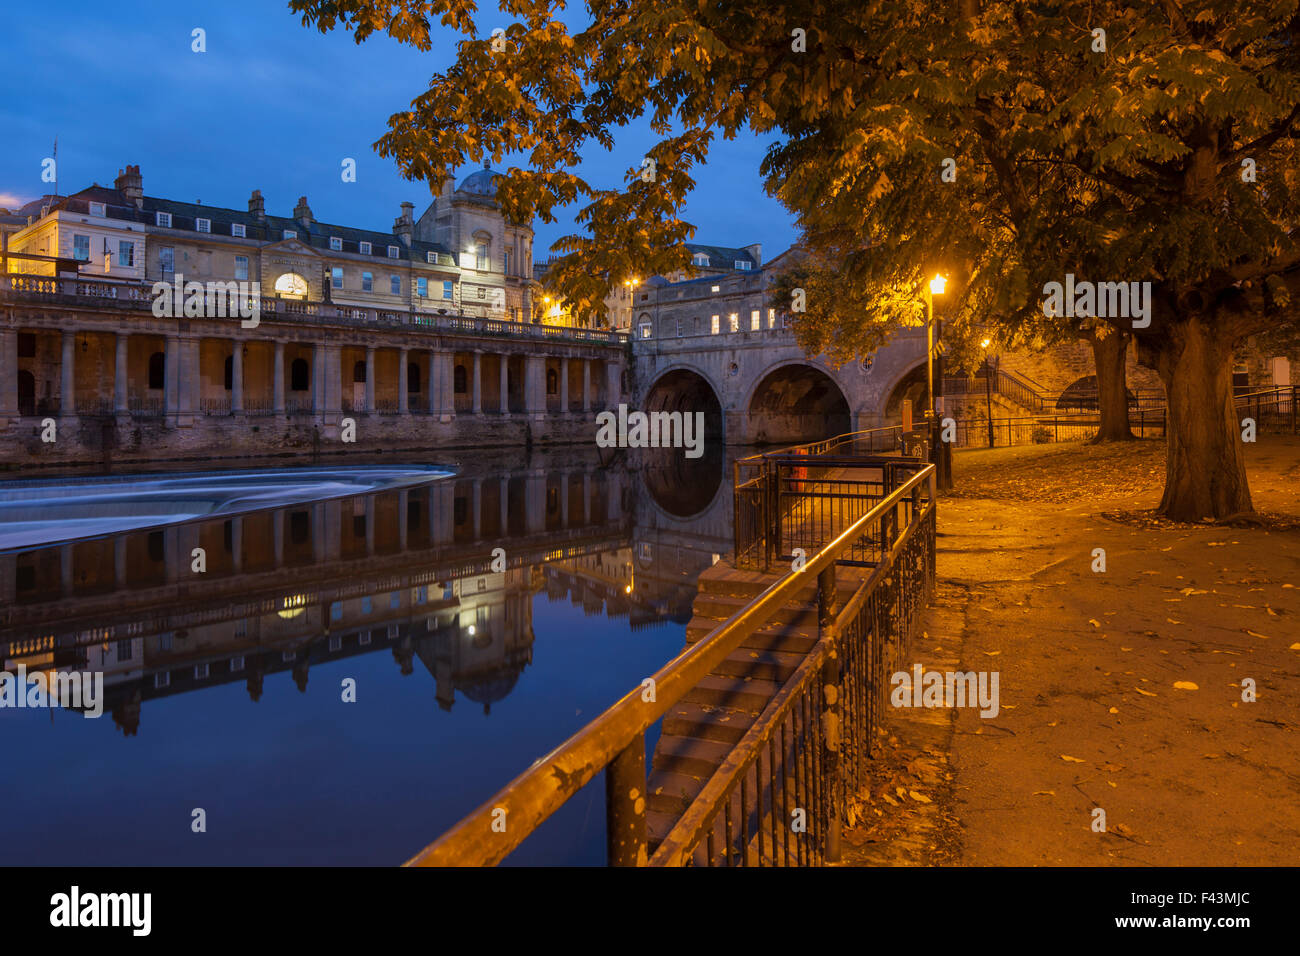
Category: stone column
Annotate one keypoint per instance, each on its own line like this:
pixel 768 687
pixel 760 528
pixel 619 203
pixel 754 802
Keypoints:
pixel 535 502
pixel 403 507
pixel 370 524
pixel 277 536
pixel 8 373
pixel 66 571
pixel 432 384
pixel 613 385
pixel 188 384
pixel 586 498
pixel 333 381
pixel 318 379
pixel 370 380
pixel 586 385
pixel 403 381
pixel 564 386
pixel 121 384
pixel 564 499
pixel 172 558
pixel 333 529
pixel 505 507
pixel 448 362
pixel 119 561
pixel 476 403
pixel 171 376
pixel 68 376
pixel 237 378
pixel 237 542
pixel 318 536
pixel 476 505
pixel 505 384
pixel 535 386
pixel 277 378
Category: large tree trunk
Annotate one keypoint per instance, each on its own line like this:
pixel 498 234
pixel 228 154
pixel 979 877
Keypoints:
pixel 1205 474
pixel 1109 355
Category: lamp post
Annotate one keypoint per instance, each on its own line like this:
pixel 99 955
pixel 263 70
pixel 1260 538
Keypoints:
pixel 940 453
pixel 988 389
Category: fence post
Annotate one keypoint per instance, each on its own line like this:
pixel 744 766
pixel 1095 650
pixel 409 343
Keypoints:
pixel 625 802
pixel 1293 415
pixel 833 785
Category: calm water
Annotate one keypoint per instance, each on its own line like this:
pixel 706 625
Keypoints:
pixel 483 618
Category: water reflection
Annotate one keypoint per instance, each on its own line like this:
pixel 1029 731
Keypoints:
pixel 461 585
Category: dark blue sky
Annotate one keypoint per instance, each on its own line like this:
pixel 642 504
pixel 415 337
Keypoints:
pixel 275 106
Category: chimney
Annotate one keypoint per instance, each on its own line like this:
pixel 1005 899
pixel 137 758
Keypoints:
pixel 404 225
pixel 756 252
pixel 302 212
pixel 256 205
pixel 131 185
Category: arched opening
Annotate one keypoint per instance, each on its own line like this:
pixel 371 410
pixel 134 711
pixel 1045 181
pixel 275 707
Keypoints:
pixel 299 375
pixel 290 285
pixel 1081 395
pixel 157 371
pixel 359 372
pixel 912 386
pixel 412 378
pixel 552 382
pixel 458 378
pixel 797 403
pixel 230 373
pixel 26 392
pixel 684 486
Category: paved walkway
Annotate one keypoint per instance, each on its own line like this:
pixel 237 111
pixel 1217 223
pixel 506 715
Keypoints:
pixel 1119 690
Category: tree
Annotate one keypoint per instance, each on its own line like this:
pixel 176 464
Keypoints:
pixel 1096 139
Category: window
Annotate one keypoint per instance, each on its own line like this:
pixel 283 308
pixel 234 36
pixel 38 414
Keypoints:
pixel 201 671
pixel 167 259
pixel 481 257
pixel 336 244
pixel 336 277
pixel 447 289
pixel 552 382
pixel 299 375
pixel 645 330
pixel 431 258
pixel 458 378
pixel 97 209
pixel 412 387
pixel 229 382
pixel 733 322
pixel 81 248
pixel 679 328
pixel 507 262
pixel 395 285
pixel 715 288
pixel 165 641
pixel 237 230
pixel 241 267
pixel 125 253
pixel 771 318
pixel 742 264
pixel 394 601
pixel 700 259
pixel 157 370
pixel 367 282
pixel 713 324
pixel 422 287
pixel 123 650
pixel 393 252
pixel 755 321
pixel 202 225
pixel 482 292
pixel 163 219
pixel 359 372
pixel 364 638
pixel 236 664
pixel 161 680
pixel 365 248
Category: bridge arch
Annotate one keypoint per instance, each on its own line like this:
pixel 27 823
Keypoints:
pixel 909 382
pixel 794 400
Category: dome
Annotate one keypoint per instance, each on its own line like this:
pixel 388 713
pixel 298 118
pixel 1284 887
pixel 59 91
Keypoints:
pixel 479 183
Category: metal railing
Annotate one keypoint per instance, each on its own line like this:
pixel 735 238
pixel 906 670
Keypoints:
pixel 902 527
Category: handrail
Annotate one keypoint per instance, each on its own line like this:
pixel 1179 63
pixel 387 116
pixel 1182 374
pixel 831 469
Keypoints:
pixel 542 789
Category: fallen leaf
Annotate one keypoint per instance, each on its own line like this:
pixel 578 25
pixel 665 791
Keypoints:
pixel 1070 759
pixel 1144 693
pixel 1185 685
pixel 1114 710
pixel 1044 793
pixel 918 797
pixel 1094 623
pixel 1172 621
pixel 1256 634
pixel 1186 591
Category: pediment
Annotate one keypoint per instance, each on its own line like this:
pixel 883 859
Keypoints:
pixel 294 247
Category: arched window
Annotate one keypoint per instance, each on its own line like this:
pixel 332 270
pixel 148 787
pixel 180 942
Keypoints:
pixel 230 372
pixel 412 378
pixel 552 382
pixel 299 375
pixel 157 370
pixel 359 372
pixel 458 380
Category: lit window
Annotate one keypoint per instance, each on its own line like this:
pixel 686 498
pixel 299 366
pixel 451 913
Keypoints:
pixel 447 289
pixel 167 259
pixel 367 282
pixel 81 248
pixel 202 225
pixel 241 267
pixel 733 322
pixel 289 234
pixel 771 318
pixel 97 209
pixel 336 277
pixel 431 257
pixel 645 330
pixel 395 285
pixel 755 321
pixel 715 288
pixel 481 257
pixel 125 253
pixel 714 326
pixel 237 230
pixel 393 252
pixel 422 287
pixel 163 219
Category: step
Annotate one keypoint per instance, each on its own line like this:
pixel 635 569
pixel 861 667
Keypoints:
pixel 665 792
pixel 722 608
pixel 689 719
pixel 777 637
pixel 689 756
pixel 768 664
pixel 733 692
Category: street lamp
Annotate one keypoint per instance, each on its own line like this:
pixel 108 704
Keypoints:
pixel 988 389
pixel 939 454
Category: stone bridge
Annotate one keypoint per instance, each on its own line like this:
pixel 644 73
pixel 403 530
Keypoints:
pixel 759 387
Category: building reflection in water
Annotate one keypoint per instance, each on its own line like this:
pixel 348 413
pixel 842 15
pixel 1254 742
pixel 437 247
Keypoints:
pixel 413 572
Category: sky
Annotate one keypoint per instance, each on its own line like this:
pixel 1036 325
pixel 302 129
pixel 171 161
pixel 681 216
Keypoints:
pixel 276 106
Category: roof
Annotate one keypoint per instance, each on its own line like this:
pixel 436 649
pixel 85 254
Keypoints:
pixel 722 257
pixel 480 183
